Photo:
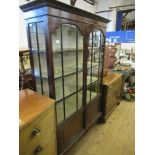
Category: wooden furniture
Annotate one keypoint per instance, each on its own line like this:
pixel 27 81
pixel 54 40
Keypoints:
pixel 66 52
pixel 25 77
pixel 37 124
pixel 112 92
pixel 109 57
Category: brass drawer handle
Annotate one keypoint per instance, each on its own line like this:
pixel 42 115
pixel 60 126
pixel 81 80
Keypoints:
pixel 36 132
pixel 38 150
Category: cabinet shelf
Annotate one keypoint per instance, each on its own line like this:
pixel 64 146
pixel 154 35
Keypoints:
pixel 65 75
pixel 67 50
pixel 35 51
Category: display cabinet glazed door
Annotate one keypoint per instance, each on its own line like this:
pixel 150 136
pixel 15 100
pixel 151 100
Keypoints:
pixel 67 44
pixel 94 75
pixel 38 56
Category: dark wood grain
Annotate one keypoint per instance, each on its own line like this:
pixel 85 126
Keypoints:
pixel 53 14
pixel 31 105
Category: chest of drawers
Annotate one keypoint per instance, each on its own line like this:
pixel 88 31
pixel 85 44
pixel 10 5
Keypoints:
pixel 37 124
pixel 112 92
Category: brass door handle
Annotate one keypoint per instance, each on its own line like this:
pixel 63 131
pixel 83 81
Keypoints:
pixel 36 132
pixel 38 150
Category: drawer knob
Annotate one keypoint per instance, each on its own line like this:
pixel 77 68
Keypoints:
pixel 38 150
pixel 36 132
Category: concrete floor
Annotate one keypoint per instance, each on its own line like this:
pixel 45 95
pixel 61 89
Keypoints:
pixel 115 137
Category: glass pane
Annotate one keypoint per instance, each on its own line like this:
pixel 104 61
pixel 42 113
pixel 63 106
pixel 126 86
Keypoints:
pixel 69 60
pixel 58 89
pixel 96 39
pixel 95 72
pixel 80 80
pixel 41 40
pixel 41 37
pixel 79 99
pixel 40 27
pixel 45 87
pixel 33 41
pixel 94 65
pixel 89 65
pixel 57 64
pixel 43 64
pixel 69 48
pixel 38 85
pixel 60 111
pixel 88 94
pixel 56 43
pixel 32 28
pixel 80 51
pixel 94 89
pixel 36 64
pixel 70 84
pixel 70 105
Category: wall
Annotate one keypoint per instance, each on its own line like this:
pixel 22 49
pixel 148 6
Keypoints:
pixel 103 5
pixel 22 32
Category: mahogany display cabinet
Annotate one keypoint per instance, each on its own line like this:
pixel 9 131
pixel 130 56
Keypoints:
pixel 66 53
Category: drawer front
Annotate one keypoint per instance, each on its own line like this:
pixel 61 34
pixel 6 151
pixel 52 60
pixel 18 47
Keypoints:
pixel 113 94
pixel 41 149
pixel 39 131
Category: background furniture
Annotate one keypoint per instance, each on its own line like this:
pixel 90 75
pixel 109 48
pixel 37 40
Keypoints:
pixel 112 92
pixel 37 124
pixel 25 77
pixel 109 57
pixel 66 52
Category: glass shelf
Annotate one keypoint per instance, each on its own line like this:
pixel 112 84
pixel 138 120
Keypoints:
pixel 89 80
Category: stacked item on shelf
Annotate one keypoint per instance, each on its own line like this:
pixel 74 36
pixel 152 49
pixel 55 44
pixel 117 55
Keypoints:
pixel 110 58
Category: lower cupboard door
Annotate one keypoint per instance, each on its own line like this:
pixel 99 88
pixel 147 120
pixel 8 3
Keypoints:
pixel 69 130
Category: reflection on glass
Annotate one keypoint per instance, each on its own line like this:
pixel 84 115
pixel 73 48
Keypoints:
pixel 69 60
pixel 70 84
pixel 41 36
pixel 40 27
pixel 88 94
pixel 94 89
pixel 60 111
pixel 80 80
pixel 91 79
pixel 57 54
pixel 70 105
pixel 57 64
pixel 79 99
pixel 80 60
pixel 38 85
pixel 45 87
pixel 95 71
pixel 68 65
pixel 58 89
pixel 43 63
pixel 69 48
pixel 33 41
pixel 36 64
pixel 41 41
pixel 94 63
pixel 32 29
pixel 80 51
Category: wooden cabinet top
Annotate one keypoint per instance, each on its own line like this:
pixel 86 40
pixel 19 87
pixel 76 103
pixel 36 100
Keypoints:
pixel 110 78
pixel 61 6
pixel 31 105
